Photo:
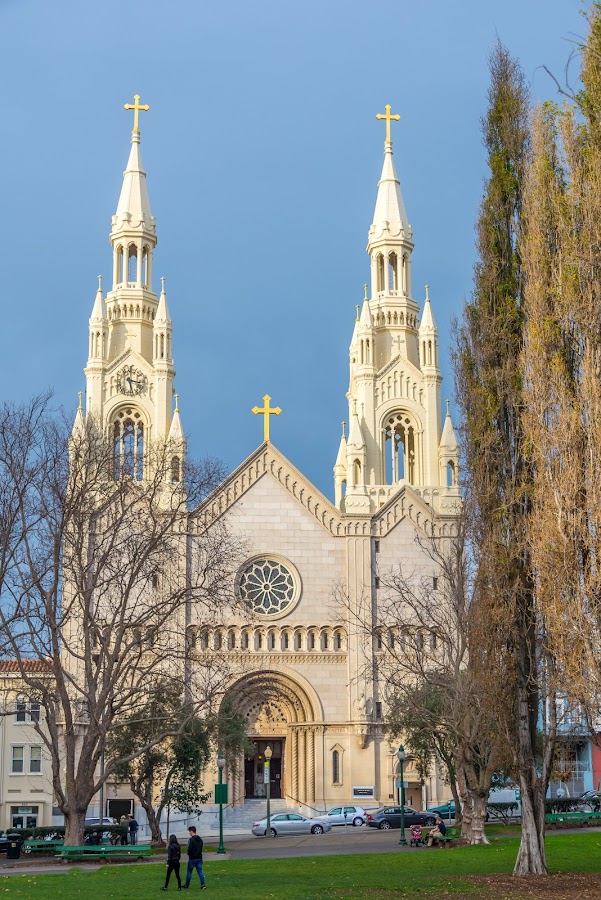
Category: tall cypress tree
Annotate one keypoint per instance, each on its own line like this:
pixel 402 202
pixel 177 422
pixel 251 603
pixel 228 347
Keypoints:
pixel 498 467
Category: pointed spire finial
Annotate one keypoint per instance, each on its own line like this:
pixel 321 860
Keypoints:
pixel 389 118
pixel 365 297
pixel 428 292
pixel 136 106
pixel 177 403
pixel 343 428
pixel 100 283
pixel 80 404
pixel 163 284
pixel 357 307
pixel 447 402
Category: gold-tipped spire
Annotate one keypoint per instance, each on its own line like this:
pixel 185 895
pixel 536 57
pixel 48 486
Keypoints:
pixel 357 307
pixel 389 118
pixel 266 411
pixel 427 292
pixel 163 284
pixel 365 297
pixel 177 403
pixel 100 283
pixel 343 429
pixel 136 106
pixel 447 402
pixel 80 404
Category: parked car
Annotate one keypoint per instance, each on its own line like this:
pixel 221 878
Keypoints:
pixel 96 821
pixel 445 810
pixel 290 823
pixel 390 817
pixel 344 815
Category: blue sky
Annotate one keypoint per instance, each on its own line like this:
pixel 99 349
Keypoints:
pixel 263 155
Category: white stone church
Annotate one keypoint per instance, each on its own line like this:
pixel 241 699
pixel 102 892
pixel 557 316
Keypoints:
pixel 302 671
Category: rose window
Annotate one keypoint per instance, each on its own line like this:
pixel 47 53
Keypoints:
pixel 267 586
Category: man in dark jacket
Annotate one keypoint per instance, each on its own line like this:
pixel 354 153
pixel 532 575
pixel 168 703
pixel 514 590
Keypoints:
pixel 194 858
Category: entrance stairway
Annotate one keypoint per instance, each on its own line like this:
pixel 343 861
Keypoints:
pixel 243 817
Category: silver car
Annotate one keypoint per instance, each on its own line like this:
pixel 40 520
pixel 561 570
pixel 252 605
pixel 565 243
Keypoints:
pixel 290 823
pixel 345 815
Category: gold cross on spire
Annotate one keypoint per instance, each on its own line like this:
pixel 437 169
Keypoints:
pixel 136 106
pixel 266 411
pixel 389 117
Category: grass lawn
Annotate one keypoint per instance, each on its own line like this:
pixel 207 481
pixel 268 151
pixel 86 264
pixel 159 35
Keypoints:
pixel 435 872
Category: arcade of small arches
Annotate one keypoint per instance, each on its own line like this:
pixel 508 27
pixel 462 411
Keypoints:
pixel 128 444
pixel 129 311
pixel 392 274
pixel 269 639
pixel 395 318
pixel 401 448
pixel 132 265
pixel 397 384
pixel 399 640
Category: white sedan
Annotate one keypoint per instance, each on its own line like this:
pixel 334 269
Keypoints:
pixel 345 815
pixel 290 823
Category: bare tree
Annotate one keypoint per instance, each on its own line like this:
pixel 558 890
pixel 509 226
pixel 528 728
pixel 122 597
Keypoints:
pixel 99 577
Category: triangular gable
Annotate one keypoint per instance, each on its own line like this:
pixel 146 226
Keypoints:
pixel 405 504
pixel 268 461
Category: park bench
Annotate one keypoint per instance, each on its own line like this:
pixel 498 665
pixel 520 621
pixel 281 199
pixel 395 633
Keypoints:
pixel 104 851
pixel 577 818
pixel 31 846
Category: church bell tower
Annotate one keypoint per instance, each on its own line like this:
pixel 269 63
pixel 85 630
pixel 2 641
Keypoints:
pixel 395 426
pixel 130 371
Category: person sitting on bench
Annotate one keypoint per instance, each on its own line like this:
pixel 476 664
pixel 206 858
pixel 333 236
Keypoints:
pixel 439 831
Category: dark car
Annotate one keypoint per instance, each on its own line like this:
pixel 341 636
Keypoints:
pixel 390 817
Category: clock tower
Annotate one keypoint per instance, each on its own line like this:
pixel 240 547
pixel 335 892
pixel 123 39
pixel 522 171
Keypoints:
pixel 129 375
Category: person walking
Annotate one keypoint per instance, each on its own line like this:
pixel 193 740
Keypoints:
pixel 174 853
pixel 195 858
pixel 133 830
pixel 124 823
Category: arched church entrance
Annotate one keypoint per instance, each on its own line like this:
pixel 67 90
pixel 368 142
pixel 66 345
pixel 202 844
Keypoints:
pixel 279 714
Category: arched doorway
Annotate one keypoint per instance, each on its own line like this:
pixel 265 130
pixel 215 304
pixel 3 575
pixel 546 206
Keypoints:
pixel 279 713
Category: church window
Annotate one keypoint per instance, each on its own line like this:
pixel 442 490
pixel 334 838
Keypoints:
pixel 429 353
pixel 162 346
pixel 155 581
pixel 377 582
pixel 119 266
pixel 175 469
pixel 405 274
pixel 380 272
pixel 128 446
pixel 285 641
pixel 231 639
pixel 377 546
pixel 400 449
pixel 244 640
pixel 379 643
pixel 132 264
pixel 434 582
pixel 357 472
pixel 378 709
pixel 259 640
pixel 367 353
pixel 217 641
pixel 145 256
pixel 272 641
pixel 338 641
pixel 311 641
pixel 433 641
pixel 419 642
pixel 392 272
pixel 451 474
pixel 267 586
pixel 335 766
pixel 325 641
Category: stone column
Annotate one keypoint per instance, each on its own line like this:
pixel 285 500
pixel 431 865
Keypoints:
pixel 294 764
pixel 311 765
pixel 302 766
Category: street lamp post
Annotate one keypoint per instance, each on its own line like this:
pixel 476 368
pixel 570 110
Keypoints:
pixel 267 781
pixel 220 766
pixel 401 756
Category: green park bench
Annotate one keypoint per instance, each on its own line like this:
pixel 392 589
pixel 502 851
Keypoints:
pixel 104 851
pixel 577 818
pixel 31 846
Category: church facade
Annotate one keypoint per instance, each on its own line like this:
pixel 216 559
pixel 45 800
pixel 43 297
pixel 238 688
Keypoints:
pixel 303 675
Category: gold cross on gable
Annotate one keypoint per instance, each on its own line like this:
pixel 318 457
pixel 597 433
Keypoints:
pixel 389 118
pixel 266 411
pixel 136 106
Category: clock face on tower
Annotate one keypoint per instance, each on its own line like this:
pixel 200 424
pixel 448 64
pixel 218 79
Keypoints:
pixel 131 381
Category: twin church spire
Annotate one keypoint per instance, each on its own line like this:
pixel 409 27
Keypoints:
pixel 130 371
pixel 395 424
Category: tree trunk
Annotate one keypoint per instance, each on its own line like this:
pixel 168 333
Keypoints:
pixel 478 835
pixel 156 837
pixel 458 805
pixel 74 827
pixel 466 807
pixel 531 858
